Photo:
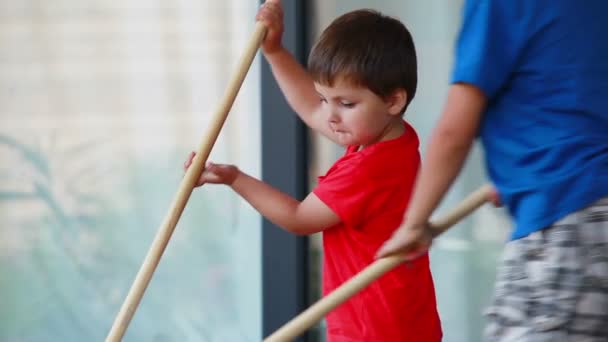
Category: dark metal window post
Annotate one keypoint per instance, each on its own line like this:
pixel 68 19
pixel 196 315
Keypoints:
pixel 284 165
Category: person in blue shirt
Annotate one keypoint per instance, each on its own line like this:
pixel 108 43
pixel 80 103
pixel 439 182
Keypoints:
pixel 531 80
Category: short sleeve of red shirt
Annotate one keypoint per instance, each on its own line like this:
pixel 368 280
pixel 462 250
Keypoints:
pixel 345 188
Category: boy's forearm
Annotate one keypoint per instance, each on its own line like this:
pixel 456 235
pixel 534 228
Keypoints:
pixel 273 204
pixel 295 83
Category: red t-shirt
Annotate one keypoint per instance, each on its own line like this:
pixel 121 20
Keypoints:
pixel 369 190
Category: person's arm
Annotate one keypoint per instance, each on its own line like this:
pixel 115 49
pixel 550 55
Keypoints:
pixel 299 217
pixel 297 87
pixel 295 82
pixel 303 218
pixel 448 148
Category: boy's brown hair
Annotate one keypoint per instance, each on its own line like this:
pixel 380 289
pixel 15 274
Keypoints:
pixel 368 49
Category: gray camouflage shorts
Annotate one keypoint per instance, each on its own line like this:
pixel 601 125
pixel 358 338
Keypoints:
pixel 553 285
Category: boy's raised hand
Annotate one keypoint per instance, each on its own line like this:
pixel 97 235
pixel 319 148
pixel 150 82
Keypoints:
pixel 214 173
pixel 271 15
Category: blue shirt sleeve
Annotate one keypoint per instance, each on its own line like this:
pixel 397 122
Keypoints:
pixel 488 46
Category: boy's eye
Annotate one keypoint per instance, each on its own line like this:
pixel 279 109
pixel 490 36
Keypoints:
pixel 321 99
pixel 347 104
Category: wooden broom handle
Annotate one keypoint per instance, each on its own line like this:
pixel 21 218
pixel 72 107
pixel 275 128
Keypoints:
pixel 185 190
pixel 313 314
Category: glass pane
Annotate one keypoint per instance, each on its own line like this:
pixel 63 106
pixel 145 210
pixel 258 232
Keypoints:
pixel 100 104
pixel 464 259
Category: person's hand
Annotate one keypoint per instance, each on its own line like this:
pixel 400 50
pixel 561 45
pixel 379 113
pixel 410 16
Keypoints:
pixel 271 15
pixel 494 198
pixel 214 173
pixel 411 240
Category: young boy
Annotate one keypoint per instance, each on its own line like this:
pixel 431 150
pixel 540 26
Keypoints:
pixel 532 78
pixel 362 76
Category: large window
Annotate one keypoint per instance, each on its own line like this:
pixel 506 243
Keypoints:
pixel 100 103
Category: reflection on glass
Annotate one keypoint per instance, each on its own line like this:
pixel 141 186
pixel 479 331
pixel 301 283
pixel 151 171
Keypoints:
pixel 100 104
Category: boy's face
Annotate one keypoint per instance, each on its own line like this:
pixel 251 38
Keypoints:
pixel 356 115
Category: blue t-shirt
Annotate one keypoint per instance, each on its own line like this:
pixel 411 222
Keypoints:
pixel 543 65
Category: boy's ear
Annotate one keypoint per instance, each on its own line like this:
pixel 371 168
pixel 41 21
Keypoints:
pixel 396 101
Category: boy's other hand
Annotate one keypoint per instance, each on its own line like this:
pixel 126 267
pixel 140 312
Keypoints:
pixel 214 173
pixel 271 14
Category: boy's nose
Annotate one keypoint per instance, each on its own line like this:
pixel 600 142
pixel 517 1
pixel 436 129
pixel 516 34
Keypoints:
pixel 333 117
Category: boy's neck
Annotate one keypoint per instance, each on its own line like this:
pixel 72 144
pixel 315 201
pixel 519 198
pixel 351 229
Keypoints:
pixel 394 129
